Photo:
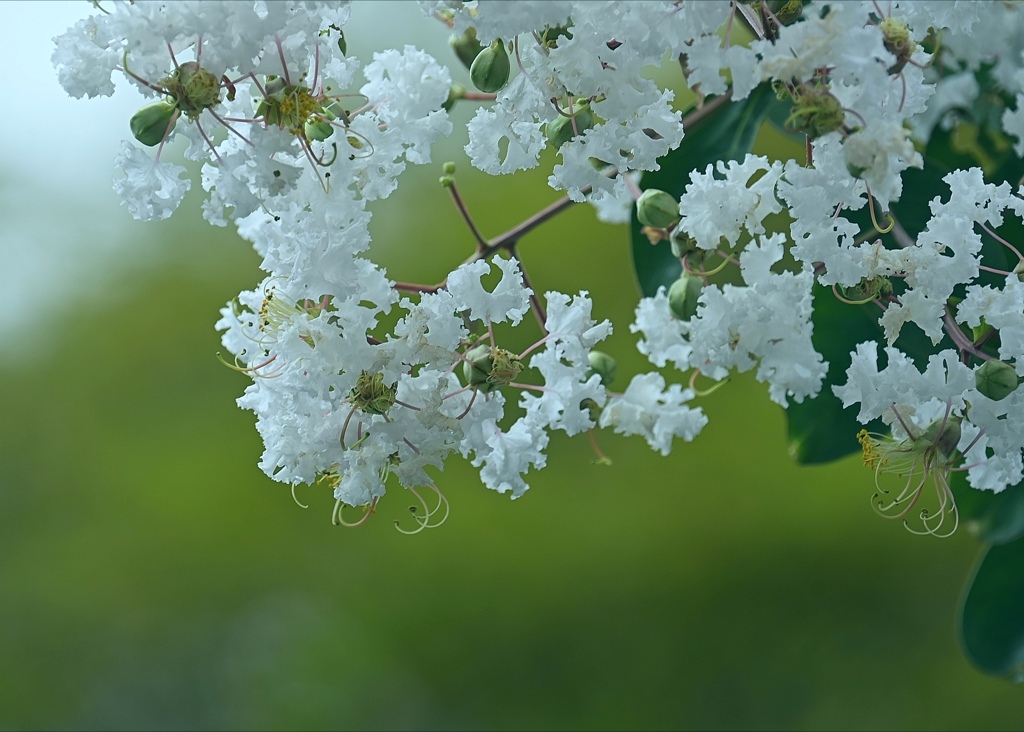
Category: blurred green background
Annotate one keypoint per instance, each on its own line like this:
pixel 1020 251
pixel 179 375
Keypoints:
pixel 152 577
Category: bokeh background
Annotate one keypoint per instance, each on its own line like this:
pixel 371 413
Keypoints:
pixel 151 577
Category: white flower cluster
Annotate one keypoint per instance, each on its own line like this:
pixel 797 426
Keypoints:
pixel 292 161
pixel 293 146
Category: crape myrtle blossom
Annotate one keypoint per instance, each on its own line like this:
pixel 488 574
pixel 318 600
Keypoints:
pixel 908 399
pixel 331 399
pixel 358 380
pixel 764 324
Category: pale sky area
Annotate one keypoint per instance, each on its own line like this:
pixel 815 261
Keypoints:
pixel 57 158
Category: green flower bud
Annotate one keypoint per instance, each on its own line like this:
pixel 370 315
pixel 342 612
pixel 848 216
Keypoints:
pixel 683 296
pixel 657 208
pixel 603 365
pixel 592 407
pixel 446 181
pixel 996 379
pixel 151 124
pixel 457 92
pixel 317 128
pixel 466 47
pixel 491 68
pixel 683 245
pixel 448 168
pixel 560 130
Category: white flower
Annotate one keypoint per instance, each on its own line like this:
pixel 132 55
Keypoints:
pixel 713 209
pixel 647 408
pixel 900 387
pixel 509 300
pixel 152 190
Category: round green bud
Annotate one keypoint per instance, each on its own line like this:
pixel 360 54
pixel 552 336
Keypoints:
pixel 466 47
pixel 996 379
pixel 448 168
pixel 603 365
pixel 317 128
pixel 657 209
pixel 683 296
pixel 446 181
pixel 151 124
pixel 560 130
pixel 477 368
pixel 683 245
pixel 491 68
pixel 334 110
pixel 457 92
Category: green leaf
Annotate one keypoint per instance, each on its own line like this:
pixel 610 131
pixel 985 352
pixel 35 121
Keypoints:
pixel 996 518
pixel 819 429
pixel 727 134
pixel 992 612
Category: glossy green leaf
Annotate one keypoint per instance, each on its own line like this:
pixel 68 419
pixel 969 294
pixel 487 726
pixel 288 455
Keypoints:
pixel 992 612
pixel 996 518
pixel 727 134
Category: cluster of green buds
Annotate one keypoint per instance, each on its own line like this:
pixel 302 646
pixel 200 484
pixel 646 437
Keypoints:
pixel 487 368
pixel 816 112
